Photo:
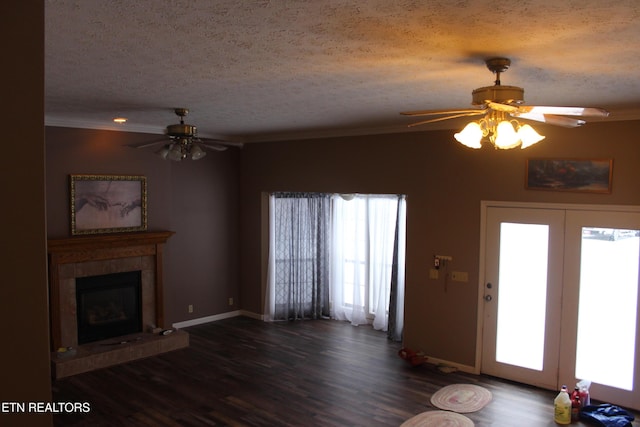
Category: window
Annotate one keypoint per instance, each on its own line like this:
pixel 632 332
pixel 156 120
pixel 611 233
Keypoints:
pixel 364 256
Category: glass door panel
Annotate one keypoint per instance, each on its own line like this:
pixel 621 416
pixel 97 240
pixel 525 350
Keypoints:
pixel 607 306
pixel 522 294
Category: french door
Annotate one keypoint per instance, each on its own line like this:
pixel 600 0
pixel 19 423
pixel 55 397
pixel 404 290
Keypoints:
pixel 522 294
pixel 560 298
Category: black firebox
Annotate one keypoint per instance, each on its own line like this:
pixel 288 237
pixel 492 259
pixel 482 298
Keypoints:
pixel 108 306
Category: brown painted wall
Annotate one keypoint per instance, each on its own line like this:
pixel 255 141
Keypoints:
pixel 82 151
pixel 444 183
pixel 208 201
pixel 198 200
pixel 25 375
pixel 204 265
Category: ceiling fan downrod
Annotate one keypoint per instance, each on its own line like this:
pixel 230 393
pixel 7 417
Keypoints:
pixel 497 66
pixel 498 93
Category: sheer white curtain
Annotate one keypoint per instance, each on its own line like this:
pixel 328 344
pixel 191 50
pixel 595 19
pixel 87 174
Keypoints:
pixel 348 272
pixel 364 235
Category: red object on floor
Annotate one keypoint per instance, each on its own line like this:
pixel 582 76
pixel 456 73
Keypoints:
pixel 414 358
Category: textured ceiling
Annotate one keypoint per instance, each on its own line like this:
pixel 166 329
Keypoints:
pixel 255 70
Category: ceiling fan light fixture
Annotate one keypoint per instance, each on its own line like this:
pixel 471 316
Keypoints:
pixel 529 136
pixel 501 133
pixel 164 151
pixel 505 136
pixel 196 152
pixel 470 136
pixel 175 153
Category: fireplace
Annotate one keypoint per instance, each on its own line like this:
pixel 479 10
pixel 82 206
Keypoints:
pixel 106 301
pixel 108 306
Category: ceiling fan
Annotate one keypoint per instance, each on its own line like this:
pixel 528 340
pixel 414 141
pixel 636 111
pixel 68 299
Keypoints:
pixel 183 141
pixel 497 104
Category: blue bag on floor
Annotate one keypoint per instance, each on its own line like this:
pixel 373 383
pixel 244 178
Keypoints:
pixel 607 415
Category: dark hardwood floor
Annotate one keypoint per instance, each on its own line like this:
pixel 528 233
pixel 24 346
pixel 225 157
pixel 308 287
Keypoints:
pixel 244 372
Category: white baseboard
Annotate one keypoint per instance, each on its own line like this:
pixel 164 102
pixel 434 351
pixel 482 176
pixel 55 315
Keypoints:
pixel 463 368
pixel 216 317
pixel 251 314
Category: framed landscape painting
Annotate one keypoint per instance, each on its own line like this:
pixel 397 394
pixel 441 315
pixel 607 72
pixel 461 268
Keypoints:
pixel 108 204
pixel 581 175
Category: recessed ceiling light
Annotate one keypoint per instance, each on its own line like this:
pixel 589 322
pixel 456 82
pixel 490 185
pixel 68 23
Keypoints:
pixel 120 120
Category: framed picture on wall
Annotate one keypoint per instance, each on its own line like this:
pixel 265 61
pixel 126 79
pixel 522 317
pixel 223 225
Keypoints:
pixel 581 175
pixel 108 204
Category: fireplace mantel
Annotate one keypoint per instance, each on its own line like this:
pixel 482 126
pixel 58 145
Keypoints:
pixel 96 254
pixel 97 247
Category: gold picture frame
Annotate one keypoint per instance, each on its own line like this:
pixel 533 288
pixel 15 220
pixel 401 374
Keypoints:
pixel 108 204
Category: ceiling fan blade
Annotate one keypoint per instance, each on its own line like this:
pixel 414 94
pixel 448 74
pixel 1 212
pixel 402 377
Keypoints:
pixel 442 112
pixel 439 119
pixel 221 142
pixel 150 143
pixel 564 111
pixel 551 119
pixel 497 106
pixel 212 146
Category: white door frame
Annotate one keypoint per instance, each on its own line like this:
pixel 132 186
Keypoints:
pixel 486 204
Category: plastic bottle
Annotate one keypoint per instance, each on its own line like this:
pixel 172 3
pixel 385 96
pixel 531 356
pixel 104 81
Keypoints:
pixel 562 407
pixel 585 399
pixel 576 405
pixel 574 393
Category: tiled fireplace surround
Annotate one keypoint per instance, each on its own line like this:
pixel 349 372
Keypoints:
pixel 83 256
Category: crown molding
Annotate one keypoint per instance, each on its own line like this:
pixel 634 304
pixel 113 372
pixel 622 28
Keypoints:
pixel 616 115
pixel 101 125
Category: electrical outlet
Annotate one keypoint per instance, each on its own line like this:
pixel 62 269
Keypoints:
pixel 190 308
pixel 230 301
pixel 459 276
